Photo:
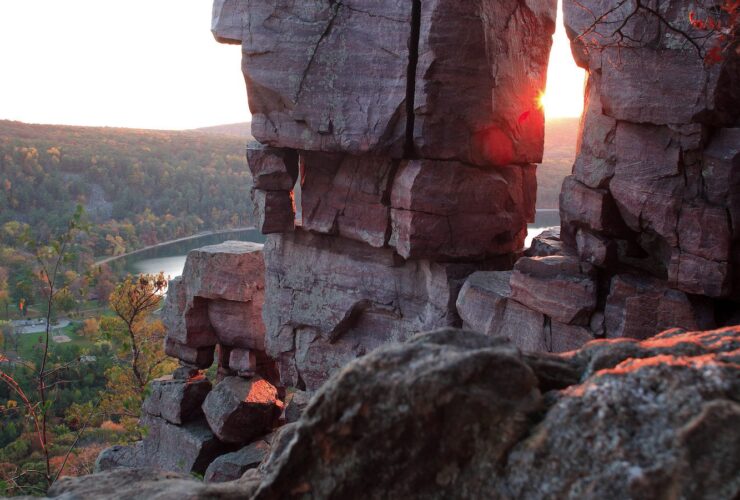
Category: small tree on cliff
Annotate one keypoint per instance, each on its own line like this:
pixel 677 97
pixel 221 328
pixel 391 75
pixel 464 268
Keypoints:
pixel 139 339
pixel 711 28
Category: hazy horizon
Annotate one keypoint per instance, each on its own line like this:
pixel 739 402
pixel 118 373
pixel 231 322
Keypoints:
pixel 136 65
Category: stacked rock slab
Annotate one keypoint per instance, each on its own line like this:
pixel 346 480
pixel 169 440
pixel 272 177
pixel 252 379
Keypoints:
pixel 413 129
pixel 214 308
pixel 651 212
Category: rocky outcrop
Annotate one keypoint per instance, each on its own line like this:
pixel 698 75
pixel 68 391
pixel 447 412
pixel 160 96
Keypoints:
pixel 215 307
pixel 615 419
pixel 414 161
pixel 331 299
pixel 649 215
pixel 405 135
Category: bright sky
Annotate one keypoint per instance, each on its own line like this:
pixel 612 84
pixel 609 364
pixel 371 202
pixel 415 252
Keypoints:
pixel 128 63
pixel 151 64
pixel 564 94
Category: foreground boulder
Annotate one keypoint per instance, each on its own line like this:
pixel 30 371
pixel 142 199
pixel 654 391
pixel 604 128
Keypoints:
pixel 455 414
pixel 238 409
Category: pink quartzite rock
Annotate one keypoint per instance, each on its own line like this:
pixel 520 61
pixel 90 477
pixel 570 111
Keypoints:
pixel 482 301
pixel 239 410
pixel 236 324
pixel 694 274
pixel 273 169
pixel 200 357
pixel 447 209
pixel 177 401
pixel 323 75
pixel 648 183
pixel 546 243
pixel 347 195
pixel 721 173
pixel 596 155
pixel 273 211
pixel 330 300
pixel 595 249
pixel 640 307
pixel 481 68
pixel 704 231
pixel 232 466
pixel 584 207
pixel 485 305
pixel 218 299
pixel 558 286
pixel 243 361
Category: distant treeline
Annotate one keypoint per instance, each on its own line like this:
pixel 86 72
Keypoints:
pixel 139 187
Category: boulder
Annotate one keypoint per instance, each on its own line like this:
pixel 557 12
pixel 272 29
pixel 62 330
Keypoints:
pixel 273 169
pixel 179 448
pixel 231 466
pixel 145 483
pixel 199 357
pixel 561 287
pixel 273 211
pixel 704 231
pixel 121 457
pixel 524 327
pixel 347 195
pixel 369 431
pixel 660 419
pixel 639 307
pixel 239 410
pixel 177 401
pixel 218 299
pixel 563 338
pixel 481 303
pixel 546 243
pixel 637 417
pixel 481 67
pixel 446 209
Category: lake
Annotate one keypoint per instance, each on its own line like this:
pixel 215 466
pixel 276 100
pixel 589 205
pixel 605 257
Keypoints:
pixel 171 258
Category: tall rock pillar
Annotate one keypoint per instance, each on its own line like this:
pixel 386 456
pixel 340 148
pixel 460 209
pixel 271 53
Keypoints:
pixel 412 129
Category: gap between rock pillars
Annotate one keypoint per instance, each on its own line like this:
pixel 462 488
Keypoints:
pixel 408 149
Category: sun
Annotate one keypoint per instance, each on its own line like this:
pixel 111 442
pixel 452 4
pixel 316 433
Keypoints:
pixel 563 96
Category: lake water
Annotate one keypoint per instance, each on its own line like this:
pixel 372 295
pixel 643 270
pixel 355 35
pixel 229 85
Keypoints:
pixel 171 258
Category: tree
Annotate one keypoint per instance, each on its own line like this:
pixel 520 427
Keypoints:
pixel 139 339
pixel 712 29
pixel 50 261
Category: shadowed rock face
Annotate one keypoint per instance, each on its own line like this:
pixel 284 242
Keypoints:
pixel 456 414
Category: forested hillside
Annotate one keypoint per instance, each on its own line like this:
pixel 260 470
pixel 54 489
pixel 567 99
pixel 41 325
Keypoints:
pixel 139 187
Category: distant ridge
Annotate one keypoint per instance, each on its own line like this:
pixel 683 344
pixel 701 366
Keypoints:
pixel 242 130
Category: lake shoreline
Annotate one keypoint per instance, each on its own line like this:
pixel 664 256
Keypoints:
pixel 171 242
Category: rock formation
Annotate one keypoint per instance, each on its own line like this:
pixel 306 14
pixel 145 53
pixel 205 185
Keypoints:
pixel 650 215
pixel 394 175
pixel 412 129
pixel 456 414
